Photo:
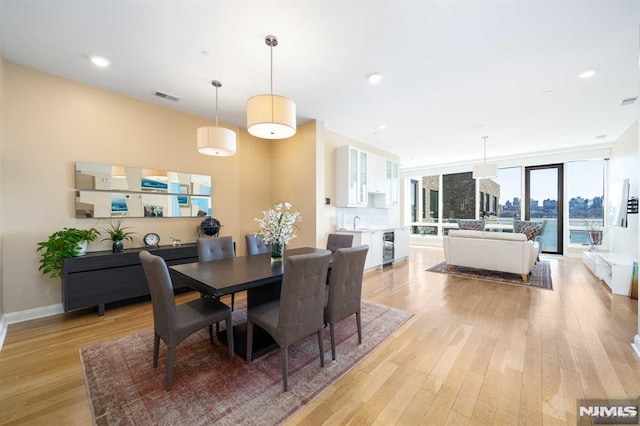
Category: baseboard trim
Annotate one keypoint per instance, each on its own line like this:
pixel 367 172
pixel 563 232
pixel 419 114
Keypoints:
pixel 29 314
pixel 3 330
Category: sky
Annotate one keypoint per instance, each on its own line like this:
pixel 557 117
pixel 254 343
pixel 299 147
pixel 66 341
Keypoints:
pixel 584 179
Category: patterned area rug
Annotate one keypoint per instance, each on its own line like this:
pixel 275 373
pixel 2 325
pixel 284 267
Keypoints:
pixel 540 275
pixel 125 389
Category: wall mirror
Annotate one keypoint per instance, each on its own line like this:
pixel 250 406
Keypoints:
pixel 105 190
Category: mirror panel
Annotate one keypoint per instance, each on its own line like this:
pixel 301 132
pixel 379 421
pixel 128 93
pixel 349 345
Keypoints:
pixel 105 190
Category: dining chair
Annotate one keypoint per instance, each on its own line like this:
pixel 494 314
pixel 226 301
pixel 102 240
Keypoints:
pixel 173 323
pixel 256 245
pixel 215 249
pixel 344 292
pixel 338 241
pixel 299 311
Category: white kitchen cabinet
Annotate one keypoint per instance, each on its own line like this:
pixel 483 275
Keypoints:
pixel 351 177
pixel 392 182
pixel 377 174
pixel 374 240
pixel 401 243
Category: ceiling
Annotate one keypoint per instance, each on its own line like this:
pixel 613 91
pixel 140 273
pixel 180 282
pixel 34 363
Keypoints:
pixel 453 71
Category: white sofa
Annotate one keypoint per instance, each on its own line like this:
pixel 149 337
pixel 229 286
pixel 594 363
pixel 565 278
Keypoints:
pixel 495 251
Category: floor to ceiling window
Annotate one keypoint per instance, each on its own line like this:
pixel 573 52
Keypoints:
pixel 544 201
pixel 585 194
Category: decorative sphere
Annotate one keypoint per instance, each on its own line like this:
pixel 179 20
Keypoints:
pixel 210 226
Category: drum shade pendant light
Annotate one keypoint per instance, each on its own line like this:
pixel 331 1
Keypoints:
pixel 484 170
pixel 271 116
pixel 216 141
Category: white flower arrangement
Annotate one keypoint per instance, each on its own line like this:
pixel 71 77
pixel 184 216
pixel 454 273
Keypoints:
pixel 277 225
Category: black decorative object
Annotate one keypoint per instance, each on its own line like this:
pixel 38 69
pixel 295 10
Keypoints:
pixel 210 226
pixel 632 205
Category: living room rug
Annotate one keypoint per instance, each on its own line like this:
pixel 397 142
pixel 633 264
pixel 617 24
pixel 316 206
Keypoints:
pixel 540 275
pixel 125 389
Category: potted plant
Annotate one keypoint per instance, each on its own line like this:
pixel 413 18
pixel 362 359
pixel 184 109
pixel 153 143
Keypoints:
pixel 68 242
pixel 117 233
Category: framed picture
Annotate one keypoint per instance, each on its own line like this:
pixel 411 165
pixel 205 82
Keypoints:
pixel 183 198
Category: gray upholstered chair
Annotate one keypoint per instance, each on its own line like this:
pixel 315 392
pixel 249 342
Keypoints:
pixel 256 245
pixel 215 249
pixel 344 291
pixel 338 241
pixel 471 224
pixel 173 323
pixel 299 311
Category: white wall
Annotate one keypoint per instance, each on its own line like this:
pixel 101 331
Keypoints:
pixel 624 164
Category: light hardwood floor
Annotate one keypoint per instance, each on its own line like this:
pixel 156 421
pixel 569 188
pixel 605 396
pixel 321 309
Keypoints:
pixel 474 352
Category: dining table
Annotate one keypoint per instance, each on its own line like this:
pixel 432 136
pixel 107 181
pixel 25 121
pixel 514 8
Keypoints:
pixel 257 274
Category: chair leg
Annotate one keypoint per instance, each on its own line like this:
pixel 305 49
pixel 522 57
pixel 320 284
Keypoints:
pixel 211 333
pixel 332 332
pixel 170 352
pixel 321 346
pixel 233 300
pixel 229 327
pixel 285 369
pixel 249 340
pixel 156 349
pixel 358 323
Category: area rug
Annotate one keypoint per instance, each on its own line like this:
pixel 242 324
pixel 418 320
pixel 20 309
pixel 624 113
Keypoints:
pixel 540 275
pixel 125 389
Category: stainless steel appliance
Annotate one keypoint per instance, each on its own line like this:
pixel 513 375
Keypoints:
pixel 387 251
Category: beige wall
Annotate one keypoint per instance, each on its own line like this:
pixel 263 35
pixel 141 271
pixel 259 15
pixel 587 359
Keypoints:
pixel 293 174
pixel 50 122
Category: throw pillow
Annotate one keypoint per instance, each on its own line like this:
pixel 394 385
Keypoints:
pixel 530 230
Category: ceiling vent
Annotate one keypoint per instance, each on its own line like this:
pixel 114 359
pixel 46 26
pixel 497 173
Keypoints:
pixel 628 101
pixel 167 96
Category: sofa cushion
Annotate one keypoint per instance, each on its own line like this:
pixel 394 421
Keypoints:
pixel 488 235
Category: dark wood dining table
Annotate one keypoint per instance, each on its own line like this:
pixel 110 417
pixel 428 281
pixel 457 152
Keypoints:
pixel 256 274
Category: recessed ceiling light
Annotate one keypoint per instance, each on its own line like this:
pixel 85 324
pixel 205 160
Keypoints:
pixel 382 126
pixel 374 79
pixel 548 92
pixel 587 74
pixel 602 136
pixel 100 61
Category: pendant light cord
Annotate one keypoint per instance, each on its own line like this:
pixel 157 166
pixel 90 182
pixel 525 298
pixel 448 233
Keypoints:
pixel 216 106
pixel 485 149
pixel 271 81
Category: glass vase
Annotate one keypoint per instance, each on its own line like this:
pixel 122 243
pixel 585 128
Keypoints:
pixel 277 252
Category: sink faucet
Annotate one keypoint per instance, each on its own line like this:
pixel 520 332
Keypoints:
pixel 354 221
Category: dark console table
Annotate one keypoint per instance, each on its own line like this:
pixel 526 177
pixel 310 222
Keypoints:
pixel 105 277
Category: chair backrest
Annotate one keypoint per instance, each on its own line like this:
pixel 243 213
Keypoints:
pixel 302 296
pixel 162 297
pixel 338 241
pixel 471 224
pixel 345 283
pixel 215 248
pixel 256 245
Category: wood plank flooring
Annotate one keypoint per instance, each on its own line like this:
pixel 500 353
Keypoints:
pixel 475 352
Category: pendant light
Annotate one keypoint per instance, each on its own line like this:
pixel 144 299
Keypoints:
pixel 485 171
pixel 271 116
pixel 216 141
